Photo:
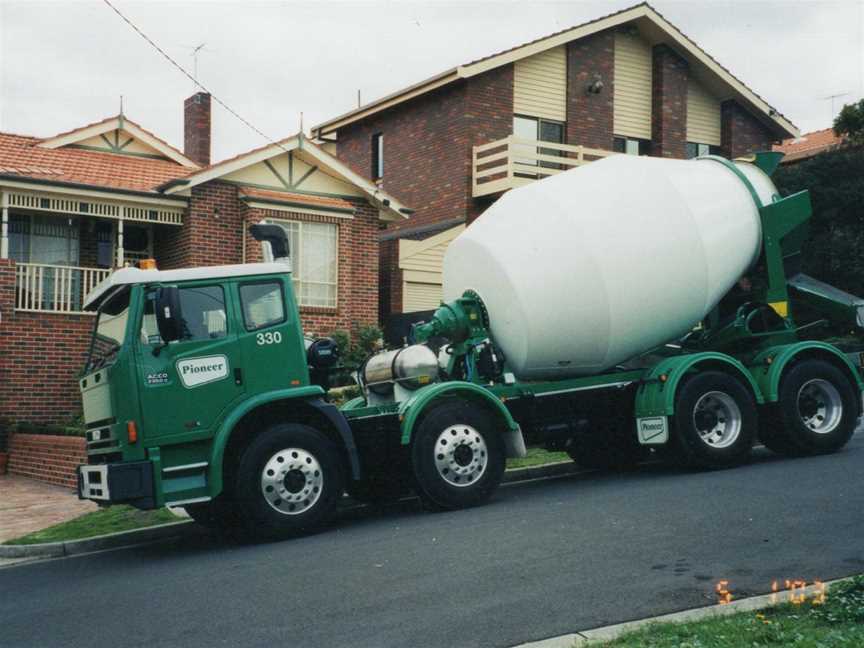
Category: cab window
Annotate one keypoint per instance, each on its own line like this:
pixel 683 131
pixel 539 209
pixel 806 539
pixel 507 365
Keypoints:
pixel 263 305
pixel 204 315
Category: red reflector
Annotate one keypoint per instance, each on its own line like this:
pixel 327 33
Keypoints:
pixel 132 431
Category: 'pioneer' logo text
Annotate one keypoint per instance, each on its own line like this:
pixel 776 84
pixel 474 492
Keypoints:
pixel 200 371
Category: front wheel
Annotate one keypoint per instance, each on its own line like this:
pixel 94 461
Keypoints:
pixel 715 421
pixel 288 481
pixel 816 413
pixel 457 456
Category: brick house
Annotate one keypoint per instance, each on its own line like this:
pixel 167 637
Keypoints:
pixel 77 205
pixel 629 82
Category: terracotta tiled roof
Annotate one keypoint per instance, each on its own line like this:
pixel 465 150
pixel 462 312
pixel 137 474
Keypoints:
pixel 305 199
pixel 809 144
pixel 21 155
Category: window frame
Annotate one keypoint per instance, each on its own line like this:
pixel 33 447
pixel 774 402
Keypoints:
pixel 711 149
pixel 644 146
pixel 262 282
pixel 295 265
pixel 149 290
pixel 377 157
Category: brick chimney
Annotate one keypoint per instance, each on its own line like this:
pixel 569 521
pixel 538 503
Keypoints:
pixel 196 128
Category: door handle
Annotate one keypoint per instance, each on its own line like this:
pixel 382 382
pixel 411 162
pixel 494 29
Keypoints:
pixel 238 376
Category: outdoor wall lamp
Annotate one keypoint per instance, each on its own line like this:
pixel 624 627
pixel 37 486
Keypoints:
pixel 596 86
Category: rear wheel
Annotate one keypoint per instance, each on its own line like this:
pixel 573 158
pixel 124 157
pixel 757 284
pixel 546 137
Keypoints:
pixel 816 412
pixel 715 421
pixel 289 480
pixel 457 456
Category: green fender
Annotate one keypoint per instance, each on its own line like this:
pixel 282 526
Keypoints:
pixel 657 398
pixel 223 433
pixel 355 403
pixel 411 409
pixel 768 366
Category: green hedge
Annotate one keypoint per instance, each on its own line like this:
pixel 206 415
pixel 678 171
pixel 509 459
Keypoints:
pixel 24 427
pixel 834 252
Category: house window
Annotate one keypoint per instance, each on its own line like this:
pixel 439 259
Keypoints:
pixel 377 156
pixel 314 269
pixel 51 240
pixel 695 149
pixel 630 146
pixel 537 130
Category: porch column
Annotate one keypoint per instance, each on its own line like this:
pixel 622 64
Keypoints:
pixel 4 241
pixel 120 251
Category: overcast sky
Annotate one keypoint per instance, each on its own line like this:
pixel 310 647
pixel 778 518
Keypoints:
pixel 65 64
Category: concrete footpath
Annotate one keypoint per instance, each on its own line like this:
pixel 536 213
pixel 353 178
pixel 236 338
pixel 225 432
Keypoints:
pixel 27 505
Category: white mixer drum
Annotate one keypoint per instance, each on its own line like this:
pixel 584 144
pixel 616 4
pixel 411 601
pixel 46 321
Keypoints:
pixel 593 266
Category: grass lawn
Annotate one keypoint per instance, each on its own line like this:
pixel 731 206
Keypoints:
pixel 105 520
pixel 838 622
pixel 537 457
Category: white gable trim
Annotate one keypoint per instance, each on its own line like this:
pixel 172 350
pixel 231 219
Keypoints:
pixel 389 207
pixel 122 124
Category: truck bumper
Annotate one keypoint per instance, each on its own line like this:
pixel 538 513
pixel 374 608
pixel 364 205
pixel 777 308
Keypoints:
pixel 129 483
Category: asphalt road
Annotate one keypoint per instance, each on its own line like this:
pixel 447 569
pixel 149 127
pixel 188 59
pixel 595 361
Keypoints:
pixel 542 559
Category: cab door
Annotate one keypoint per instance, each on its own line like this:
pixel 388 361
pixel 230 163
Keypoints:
pixel 185 386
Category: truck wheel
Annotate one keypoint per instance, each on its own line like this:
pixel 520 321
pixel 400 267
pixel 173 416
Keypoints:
pixel 715 421
pixel 288 481
pixel 816 413
pixel 458 456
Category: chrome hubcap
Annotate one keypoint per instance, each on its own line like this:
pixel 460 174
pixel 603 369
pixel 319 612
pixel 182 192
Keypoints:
pixel 291 481
pixel 717 419
pixel 460 455
pixel 820 406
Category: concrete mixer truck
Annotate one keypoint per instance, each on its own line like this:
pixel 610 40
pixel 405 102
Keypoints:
pixel 629 307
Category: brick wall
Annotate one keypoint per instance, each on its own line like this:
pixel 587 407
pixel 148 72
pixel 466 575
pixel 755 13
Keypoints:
pixel 211 233
pixel 668 103
pixel 590 116
pixel 390 287
pixel 357 291
pixel 741 133
pixel 40 357
pixel 50 459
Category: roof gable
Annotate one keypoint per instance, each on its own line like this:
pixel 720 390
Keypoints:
pixel 121 136
pixel 274 167
pixel 650 22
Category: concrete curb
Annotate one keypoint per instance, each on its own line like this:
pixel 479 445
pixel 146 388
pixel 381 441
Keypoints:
pixel 609 633
pixel 96 543
pixel 187 527
pixel 539 472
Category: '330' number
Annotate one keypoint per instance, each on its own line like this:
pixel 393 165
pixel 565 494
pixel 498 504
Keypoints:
pixel 272 337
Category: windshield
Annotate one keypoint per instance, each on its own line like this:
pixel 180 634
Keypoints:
pixel 110 330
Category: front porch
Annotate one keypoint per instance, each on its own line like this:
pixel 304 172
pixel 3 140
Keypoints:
pixel 63 245
pixel 512 162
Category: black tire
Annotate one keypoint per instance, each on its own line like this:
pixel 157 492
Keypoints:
pixel 785 429
pixel 452 425
pixel 306 480
pixel 709 407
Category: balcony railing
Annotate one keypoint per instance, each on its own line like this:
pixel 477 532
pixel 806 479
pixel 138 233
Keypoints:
pixel 513 162
pixel 54 288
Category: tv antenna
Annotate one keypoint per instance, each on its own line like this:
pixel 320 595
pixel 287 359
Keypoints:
pixel 195 51
pixel 833 99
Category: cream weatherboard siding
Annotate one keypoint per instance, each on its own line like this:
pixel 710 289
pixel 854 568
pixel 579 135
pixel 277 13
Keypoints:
pixel 632 96
pixel 703 114
pixel 540 85
pixel 421 263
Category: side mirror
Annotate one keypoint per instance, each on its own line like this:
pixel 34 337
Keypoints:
pixel 169 317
